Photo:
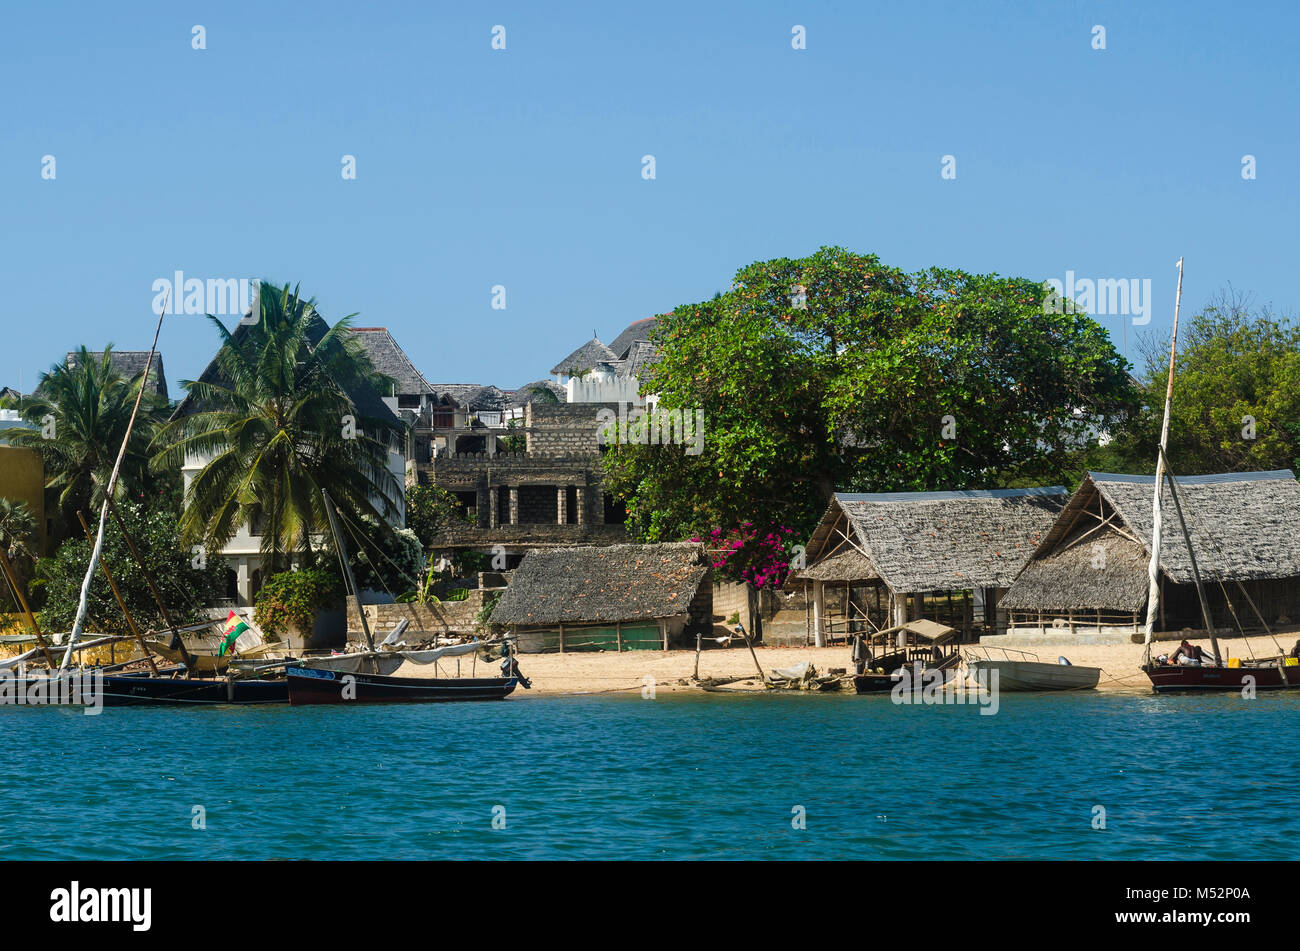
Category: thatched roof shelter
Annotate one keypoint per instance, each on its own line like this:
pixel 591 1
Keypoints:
pixel 932 541
pixel 616 583
pixel 585 357
pixel 1243 527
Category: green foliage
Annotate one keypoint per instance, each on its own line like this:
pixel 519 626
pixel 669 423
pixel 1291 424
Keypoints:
pixel 1232 364
pixel 482 617
pixel 847 385
pixel 289 600
pixel 185 587
pixel 389 561
pixel 430 510
pixel 17 529
pixel 273 429
pixel 78 419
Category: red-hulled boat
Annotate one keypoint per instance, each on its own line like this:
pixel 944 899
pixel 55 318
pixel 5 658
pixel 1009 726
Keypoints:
pixel 1168 678
pixel 308 685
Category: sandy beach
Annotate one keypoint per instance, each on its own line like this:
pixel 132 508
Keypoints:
pixel 609 673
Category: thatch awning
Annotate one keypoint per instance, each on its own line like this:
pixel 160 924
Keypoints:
pixel 1105 571
pixel 846 565
pixel 616 583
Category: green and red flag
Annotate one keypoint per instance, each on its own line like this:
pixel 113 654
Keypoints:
pixel 230 633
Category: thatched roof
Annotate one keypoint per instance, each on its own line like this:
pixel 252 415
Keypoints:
pixel 1243 526
pixel 364 397
pixel 609 584
pixel 130 363
pixel 458 393
pixel 638 330
pixel 585 357
pixel 848 564
pixel 1103 571
pixel 527 393
pixel 391 361
pixel 942 541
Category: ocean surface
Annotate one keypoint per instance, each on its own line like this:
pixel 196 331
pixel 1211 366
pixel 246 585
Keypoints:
pixel 677 777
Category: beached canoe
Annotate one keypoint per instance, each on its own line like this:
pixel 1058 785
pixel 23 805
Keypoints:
pixel 312 686
pixel 1019 676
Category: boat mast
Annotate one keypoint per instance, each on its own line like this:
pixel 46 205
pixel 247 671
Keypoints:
pixel 1153 569
pixel 1191 554
pixel 347 568
pixel 79 623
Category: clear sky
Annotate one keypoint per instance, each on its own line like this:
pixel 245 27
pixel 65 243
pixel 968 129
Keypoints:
pixel 523 167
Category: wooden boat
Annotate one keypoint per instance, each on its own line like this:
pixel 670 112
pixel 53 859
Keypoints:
pixel 1021 676
pixel 922 645
pixel 1168 678
pixel 309 685
pixel 1269 674
pixel 326 684
pixel 131 691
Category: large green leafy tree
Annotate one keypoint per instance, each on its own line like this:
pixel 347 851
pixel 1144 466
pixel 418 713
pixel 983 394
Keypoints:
pixel 276 425
pixel 186 583
pixel 1236 403
pixel 836 372
pixel 78 418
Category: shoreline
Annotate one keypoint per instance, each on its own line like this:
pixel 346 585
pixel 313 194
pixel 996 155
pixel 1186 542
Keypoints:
pixel 598 673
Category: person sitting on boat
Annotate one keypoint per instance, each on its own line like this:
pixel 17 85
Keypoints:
pixel 1295 651
pixel 510 667
pixel 1188 655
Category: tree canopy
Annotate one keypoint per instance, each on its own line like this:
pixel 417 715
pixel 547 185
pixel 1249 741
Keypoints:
pixel 276 424
pixel 835 372
pixel 1236 403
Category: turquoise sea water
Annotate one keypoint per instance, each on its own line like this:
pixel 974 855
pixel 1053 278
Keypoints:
pixel 681 777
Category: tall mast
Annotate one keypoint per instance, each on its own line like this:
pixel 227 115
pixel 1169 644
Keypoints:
pixel 98 549
pixel 347 568
pixel 1153 569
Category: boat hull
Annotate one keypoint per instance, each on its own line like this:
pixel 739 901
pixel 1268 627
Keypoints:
pixel 309 686
pixel 132 690
pixel 884 683
pixel 197 691
pixel 1024 676
pixel 1173 679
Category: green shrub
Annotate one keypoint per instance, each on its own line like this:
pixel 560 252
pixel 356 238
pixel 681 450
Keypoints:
pixel 290 600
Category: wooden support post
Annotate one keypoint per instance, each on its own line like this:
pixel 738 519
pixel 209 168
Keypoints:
pixel 618 632
pixel 117 595
pixel 819 612
pixel 12 577
pixel 699 644
pixel 561 638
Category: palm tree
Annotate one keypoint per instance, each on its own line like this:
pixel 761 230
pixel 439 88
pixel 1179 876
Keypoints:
pixel 17 528
pixel 17 532
pixel 79 415
pixel 286 408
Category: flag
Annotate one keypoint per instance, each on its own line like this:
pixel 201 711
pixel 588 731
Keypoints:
pixel 230 633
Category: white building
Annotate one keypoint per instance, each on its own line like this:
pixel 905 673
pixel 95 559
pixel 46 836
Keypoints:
pixel 242 553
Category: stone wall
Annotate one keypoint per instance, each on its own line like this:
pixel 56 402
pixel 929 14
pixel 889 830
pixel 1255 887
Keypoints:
pixel 564 427
pixel 448 617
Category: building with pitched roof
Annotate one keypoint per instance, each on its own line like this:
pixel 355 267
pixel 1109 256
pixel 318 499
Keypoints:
pixel 879 560
pixel 1089 572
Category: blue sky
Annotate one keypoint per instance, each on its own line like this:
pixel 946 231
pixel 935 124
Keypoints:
pixel 522 167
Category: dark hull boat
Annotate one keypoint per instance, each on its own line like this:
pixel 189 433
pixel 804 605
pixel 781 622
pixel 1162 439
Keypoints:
pixel 310 686
pixel 197 691
pixel 942 673
pixel 1173 679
